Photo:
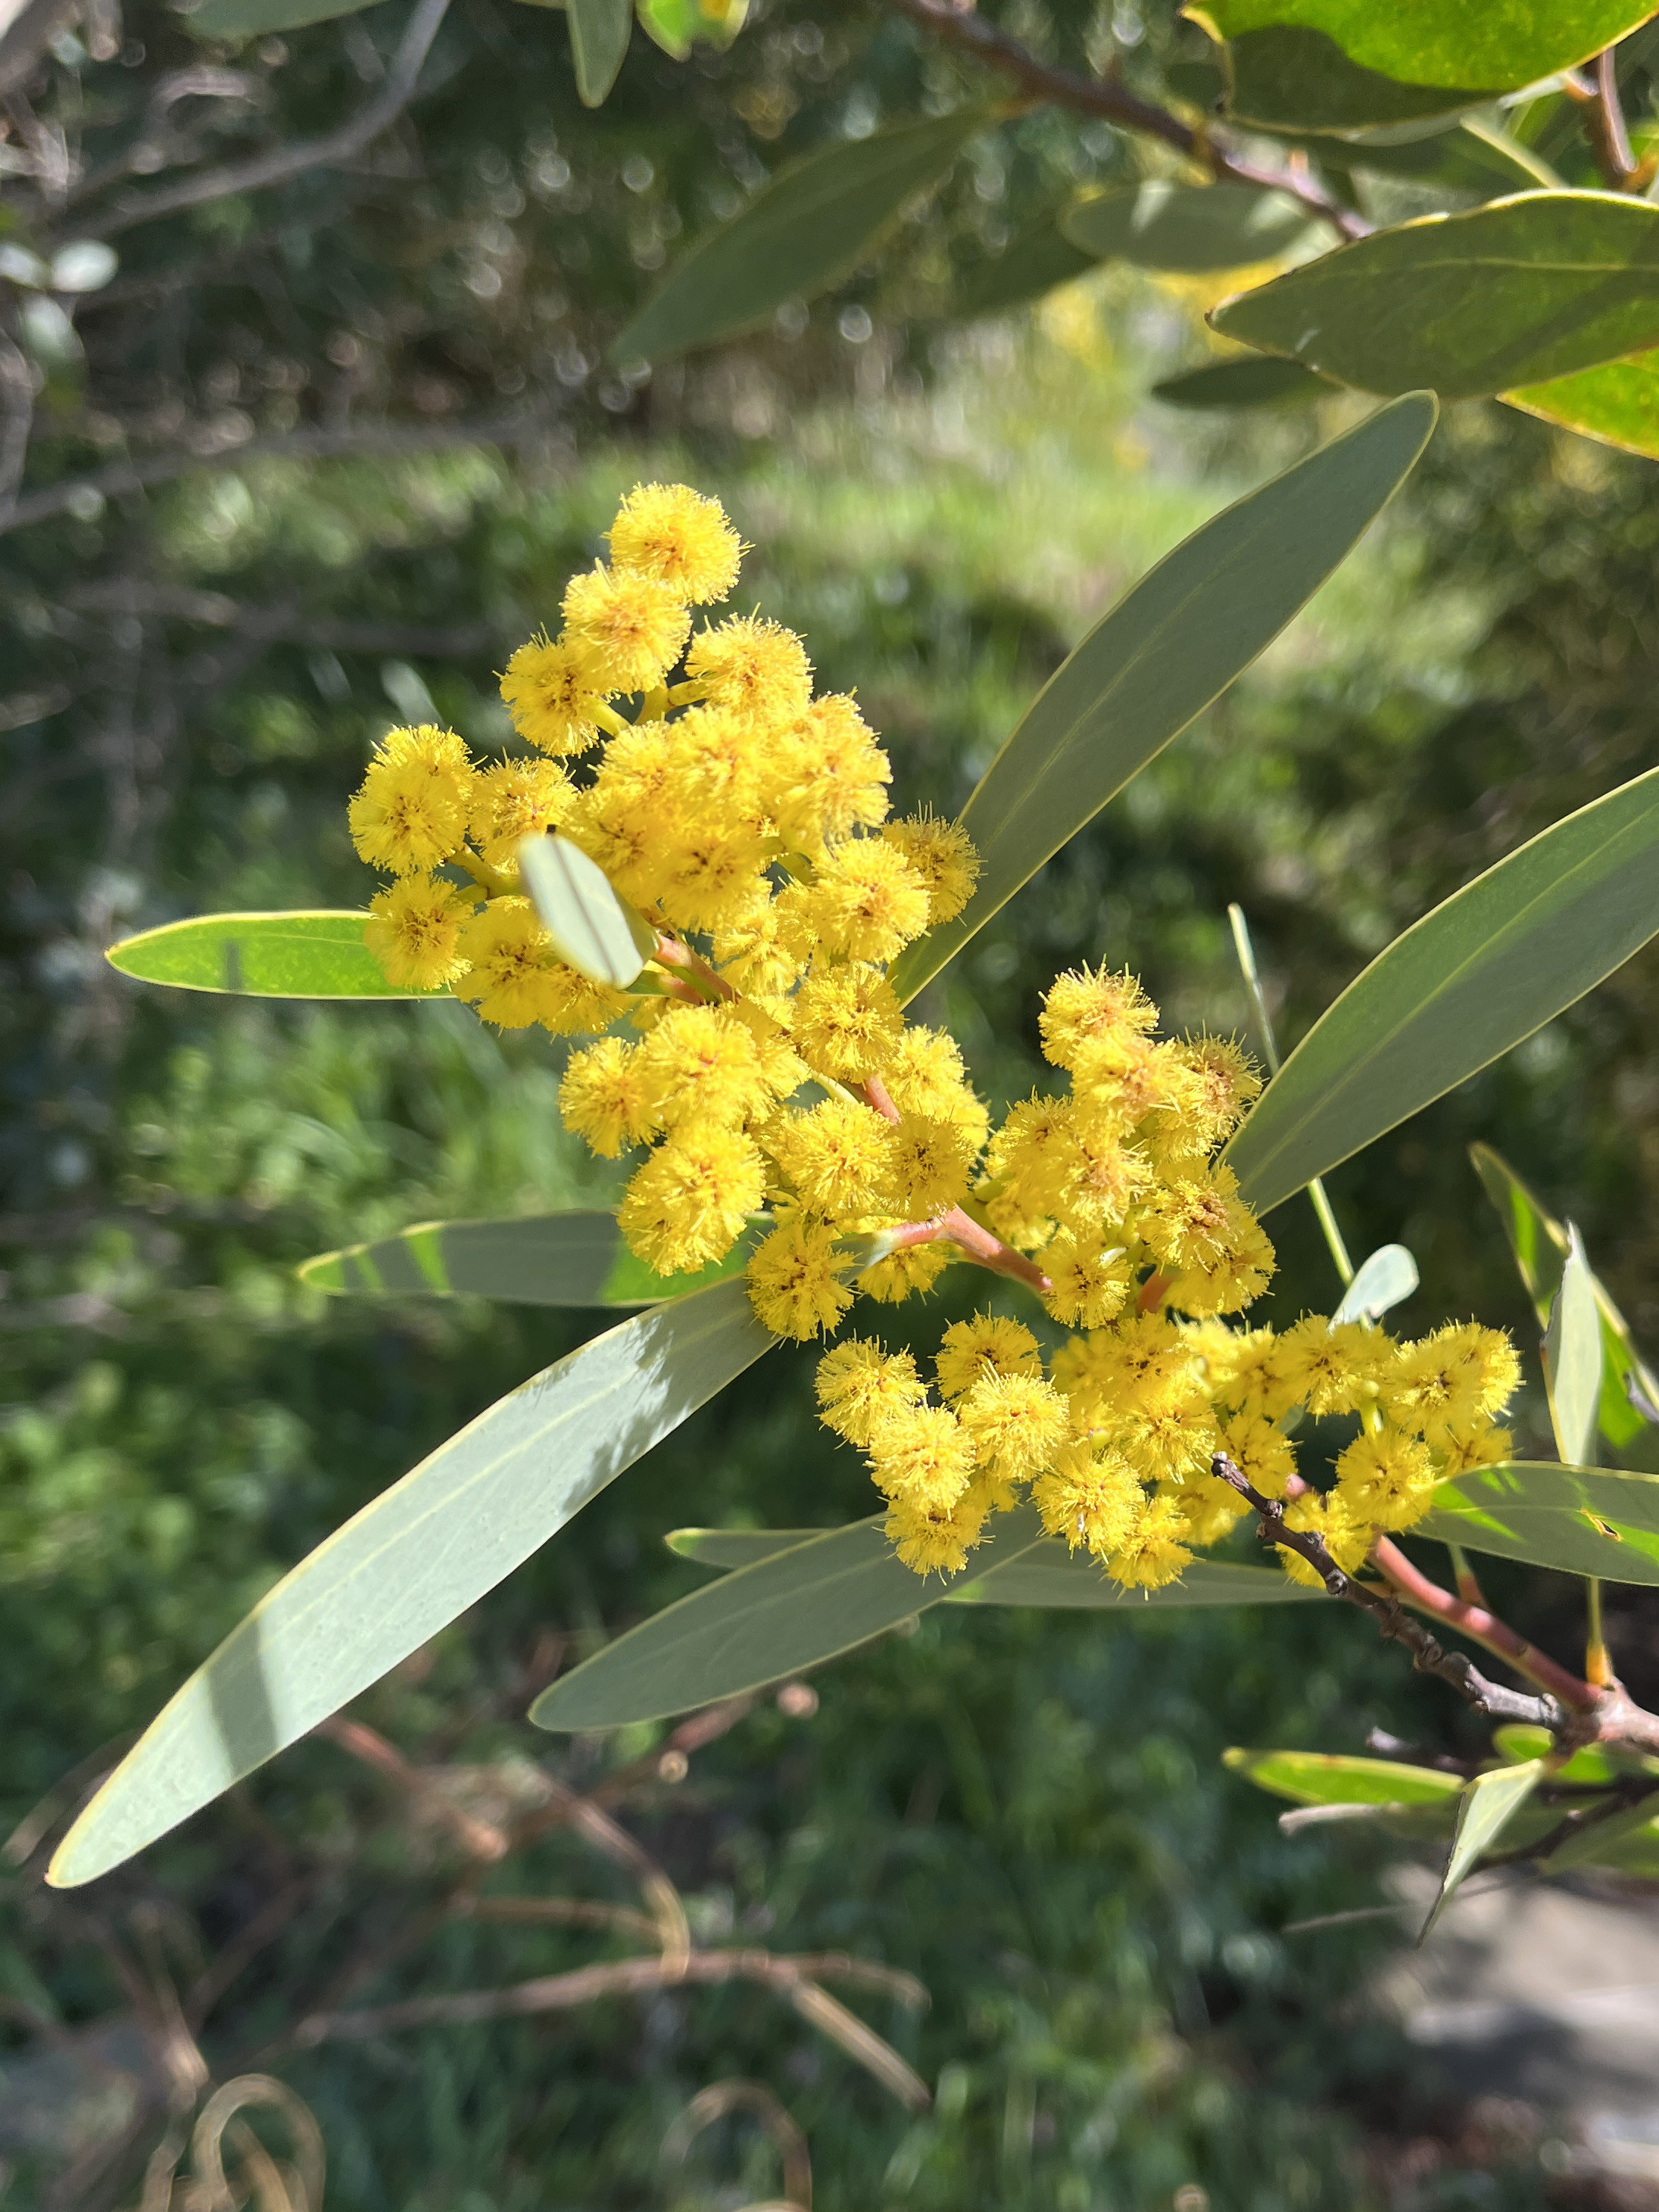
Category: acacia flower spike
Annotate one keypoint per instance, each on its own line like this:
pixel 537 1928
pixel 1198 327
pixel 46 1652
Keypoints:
pixel 765 1062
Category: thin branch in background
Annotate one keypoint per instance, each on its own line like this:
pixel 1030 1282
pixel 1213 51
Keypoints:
pixel 16 421
pixel 283 162
pixel 343 442
pixel 963 28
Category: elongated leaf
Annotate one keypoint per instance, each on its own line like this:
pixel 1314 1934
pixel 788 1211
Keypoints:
pixel 1389 1277
pixel 794 1609
pixel 1582 1520
pixel 1626 1838
pixel 254 19
pixel 811 227
pixel 262 956
pixel 1518 1740
pixel 1161 225
pixel 1257 381
pixel 1287 73
pixel 1480 972
pixel 1430 42
pixel 1034 262
pixel 1518 292
pixel 599 32
pixel 1572 1358
pixel 592 927
pixel 1616 403
pixel 574 1259
pixel 1171 645
pixel 1319 1778
pixel 1048 1575
pixel 1490 1802
pixel 1538 1244
pixel 413 1560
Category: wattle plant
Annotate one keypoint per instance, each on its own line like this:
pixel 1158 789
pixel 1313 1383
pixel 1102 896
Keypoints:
pixel 689 872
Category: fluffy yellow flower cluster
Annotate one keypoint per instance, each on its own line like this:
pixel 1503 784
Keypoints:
pixel 772 1073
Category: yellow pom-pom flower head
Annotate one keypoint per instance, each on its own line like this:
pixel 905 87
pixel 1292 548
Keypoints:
pixel 691 1201
pixel 634 627
pixel 516 800
pixel 555 690
pixel 795 1282
pixel 858 1385
pixel 414 931
pixel 942 854
pixel 605 1097
pixel 410 814
pixel 680 538
pixel 753 664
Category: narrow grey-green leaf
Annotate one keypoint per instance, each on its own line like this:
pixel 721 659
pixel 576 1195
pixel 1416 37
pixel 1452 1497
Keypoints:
pixel 1518 292
pixel 592 926
pixel 1483 971
pixel 413 1559
pixel 1290 75
pixel 1256 381
pixel 1573 1358
pixel 1162 225
pixel 811 227
pixel 761 1622
pixel 1489 1803
pixel 1172 644
pixel 1048 1575
pixel 255 19
pixel 1034 262
pixel 1580 1520
pixel 576 1259
pixel 1389 1277
pixel 599 32
pixel 1539 1244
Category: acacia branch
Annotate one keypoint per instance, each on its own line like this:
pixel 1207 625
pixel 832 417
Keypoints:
pixel 283 162
pixel 961 26
pixel 1474 1621
pixel 1428 1655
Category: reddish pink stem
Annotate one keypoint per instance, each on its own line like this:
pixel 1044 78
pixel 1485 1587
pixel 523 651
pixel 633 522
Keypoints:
pixel 1483 1628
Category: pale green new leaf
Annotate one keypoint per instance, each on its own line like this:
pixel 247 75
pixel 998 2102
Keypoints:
pixel 593 929
pixel 1572 1358
pixel 599 32
pixel 1489 1803
pixel 576 1259
pixel 1519 292
pixel 255 19
pixel 1483 971
pixel 1321 1778
pixel 765 1620
pixel 1444 42
pixel 1170 646
pixel 1582 1520
pixel 1256 381
pixel 262 956
pixel 413 1560
pixel 1385 1280
pixel 1048 1575
pixel 1617 404
pixel 1539 1244
pixel 1162 225
pixel 808 228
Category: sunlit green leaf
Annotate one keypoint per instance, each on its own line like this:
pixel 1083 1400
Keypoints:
pixel 1287 73
pixel 1522 290
pixel 1163 225
pixel 262 956
pixel 254 19
pixel 1572 1358
pixel 1385 1280
pixel 574 1259
pixel 413 1560
pixel 1317 1778
pixel 1489 1803
pixel 1538 1244
pixel 1483 971
pixel 1582 1520
pixel 678 25
pixel 1616 403
pixel 592 927
pixel 793 1609
pixel 1517 1742
pixel 1171 645
pixel 1257 381
pixel 1432 42
pixel 811 227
